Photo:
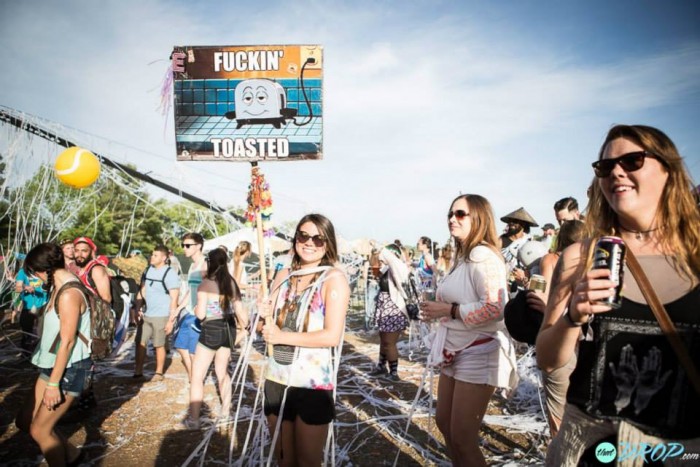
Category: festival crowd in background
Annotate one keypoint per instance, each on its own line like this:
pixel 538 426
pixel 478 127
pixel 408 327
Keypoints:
pixel 615 366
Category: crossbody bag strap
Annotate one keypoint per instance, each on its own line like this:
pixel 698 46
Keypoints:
pixel 667 326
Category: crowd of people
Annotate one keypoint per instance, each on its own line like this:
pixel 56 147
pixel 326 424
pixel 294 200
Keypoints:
pixel 617 368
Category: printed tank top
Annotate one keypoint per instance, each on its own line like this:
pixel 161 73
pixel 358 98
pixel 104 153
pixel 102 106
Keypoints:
pixel 629 371
pixel 312 368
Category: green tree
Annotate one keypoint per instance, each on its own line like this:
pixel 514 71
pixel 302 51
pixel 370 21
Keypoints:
pixel 119 218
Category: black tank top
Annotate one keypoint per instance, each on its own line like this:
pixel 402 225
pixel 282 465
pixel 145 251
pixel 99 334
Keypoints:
pixel 629 371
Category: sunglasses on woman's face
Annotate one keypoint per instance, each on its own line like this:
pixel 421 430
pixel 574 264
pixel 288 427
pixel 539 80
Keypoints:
pixel 630 162
pixel 459 214
pixel 303 237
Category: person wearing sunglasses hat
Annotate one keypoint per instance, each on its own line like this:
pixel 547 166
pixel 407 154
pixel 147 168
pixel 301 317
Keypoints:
pixel 517 234
pixel 304 323
pixel 629 385
pixel 187 335
pixel 470 345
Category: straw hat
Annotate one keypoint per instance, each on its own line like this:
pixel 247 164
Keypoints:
pixel 520 215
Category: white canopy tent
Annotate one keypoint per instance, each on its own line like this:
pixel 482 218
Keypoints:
pixel 231 240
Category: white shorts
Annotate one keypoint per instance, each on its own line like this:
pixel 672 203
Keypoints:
pixel 484 364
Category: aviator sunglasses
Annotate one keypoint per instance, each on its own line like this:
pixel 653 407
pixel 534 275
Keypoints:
pixel 630 162
pixel 303 237
pixel 459 214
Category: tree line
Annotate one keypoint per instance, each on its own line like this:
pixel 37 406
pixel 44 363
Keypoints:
pixel 117 212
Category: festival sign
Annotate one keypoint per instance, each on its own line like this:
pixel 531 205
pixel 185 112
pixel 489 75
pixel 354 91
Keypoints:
pixel 248 103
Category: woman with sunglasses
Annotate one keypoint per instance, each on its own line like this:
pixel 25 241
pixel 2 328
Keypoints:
pixel 390 312
pixel 219 308
pixel 471 346
pixel 305 324
pixel 628 385
pixel 62 356
pixel 187 336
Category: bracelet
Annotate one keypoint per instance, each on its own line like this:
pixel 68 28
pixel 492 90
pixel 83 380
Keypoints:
pixel 453 311
pixel 52 385
pixel 571 321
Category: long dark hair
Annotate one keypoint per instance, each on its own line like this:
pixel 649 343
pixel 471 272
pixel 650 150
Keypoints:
pixel 217 271
pixel 45 257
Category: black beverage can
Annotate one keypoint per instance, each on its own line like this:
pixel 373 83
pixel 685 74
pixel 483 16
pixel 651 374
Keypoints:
pixel 610 254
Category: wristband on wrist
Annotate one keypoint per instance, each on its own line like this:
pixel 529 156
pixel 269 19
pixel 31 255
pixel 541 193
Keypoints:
pixel 52 385
pixel 571 321
pixel 454 310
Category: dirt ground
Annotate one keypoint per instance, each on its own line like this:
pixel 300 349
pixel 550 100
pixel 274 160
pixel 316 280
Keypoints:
pixel 133 423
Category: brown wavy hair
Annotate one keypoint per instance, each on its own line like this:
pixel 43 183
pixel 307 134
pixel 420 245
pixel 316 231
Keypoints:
pixel 327 231
pixel 677 214
pixel 483 227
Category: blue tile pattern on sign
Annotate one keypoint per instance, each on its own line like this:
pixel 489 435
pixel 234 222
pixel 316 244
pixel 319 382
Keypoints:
pixel 200 129
pixel 215 97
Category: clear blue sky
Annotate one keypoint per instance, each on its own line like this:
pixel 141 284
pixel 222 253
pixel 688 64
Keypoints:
pixel 422 100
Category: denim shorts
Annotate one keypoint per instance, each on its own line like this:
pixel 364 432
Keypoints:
pixel 186 337
pixel 76 378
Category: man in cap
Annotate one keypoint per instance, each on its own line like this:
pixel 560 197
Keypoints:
pixel 92 273
pixel 548 234
pixel 518 232
pixel 95 277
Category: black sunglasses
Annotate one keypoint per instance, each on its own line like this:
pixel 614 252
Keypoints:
pixel 303 237
pixel 187 245
pixel 459 214
pixel 630 162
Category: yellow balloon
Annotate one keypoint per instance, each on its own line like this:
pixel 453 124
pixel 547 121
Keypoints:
pixel 77 167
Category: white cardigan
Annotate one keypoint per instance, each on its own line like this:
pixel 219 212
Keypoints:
pixel 479 286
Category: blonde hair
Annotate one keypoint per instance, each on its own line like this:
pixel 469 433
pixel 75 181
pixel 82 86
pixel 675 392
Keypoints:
pixel 242 249
pixel 483 227
pixel 677 214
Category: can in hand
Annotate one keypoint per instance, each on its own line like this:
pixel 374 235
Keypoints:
pixel 610 254
pixel 428 294
pixel 537 283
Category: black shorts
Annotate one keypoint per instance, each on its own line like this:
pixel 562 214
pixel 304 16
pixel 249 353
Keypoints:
pixel 313 406
pixel 217 333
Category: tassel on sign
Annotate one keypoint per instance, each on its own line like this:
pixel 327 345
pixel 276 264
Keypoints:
pixel 259 199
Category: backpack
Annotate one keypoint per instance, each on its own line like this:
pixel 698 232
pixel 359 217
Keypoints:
pixel 120 286
pixel 116 289
pixel 161 280
pixel 102 322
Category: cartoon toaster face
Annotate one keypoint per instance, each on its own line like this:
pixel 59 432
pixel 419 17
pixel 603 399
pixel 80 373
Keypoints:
pixel 260 101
